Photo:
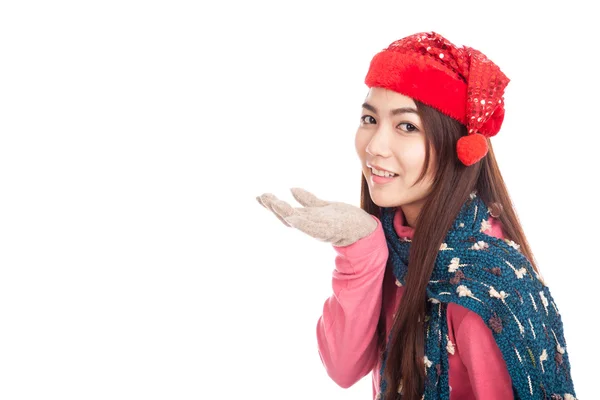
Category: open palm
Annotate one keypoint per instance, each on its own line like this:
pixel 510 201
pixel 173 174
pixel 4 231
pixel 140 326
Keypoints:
pixel 334 222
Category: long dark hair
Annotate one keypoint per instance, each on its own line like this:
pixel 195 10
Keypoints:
pixel 452 184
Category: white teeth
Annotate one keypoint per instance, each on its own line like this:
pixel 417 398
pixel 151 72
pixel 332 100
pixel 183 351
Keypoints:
pixel 382 173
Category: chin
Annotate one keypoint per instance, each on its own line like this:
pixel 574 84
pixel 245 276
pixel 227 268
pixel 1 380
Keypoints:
pixel 394 200
pixel 385 201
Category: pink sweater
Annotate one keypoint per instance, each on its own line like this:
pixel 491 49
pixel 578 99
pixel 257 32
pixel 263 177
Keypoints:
pixel 363 288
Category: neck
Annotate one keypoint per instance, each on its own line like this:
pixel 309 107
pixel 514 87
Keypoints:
pixel 411 212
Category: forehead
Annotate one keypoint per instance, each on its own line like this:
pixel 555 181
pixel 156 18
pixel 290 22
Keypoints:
pixel 385 98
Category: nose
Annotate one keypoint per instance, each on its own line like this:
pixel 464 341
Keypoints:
pixel 379 145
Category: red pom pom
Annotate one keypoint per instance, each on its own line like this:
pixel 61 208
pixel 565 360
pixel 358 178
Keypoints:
pixel 471 148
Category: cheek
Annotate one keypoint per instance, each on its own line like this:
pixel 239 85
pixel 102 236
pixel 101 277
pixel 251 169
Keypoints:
pixel 360 144
pixel 412 159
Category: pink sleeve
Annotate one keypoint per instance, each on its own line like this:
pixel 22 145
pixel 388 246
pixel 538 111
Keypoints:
pixel 346 331
pixel 479 352
pixel 483 359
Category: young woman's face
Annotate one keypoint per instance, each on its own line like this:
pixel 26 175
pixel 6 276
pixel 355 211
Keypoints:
pixel 391 136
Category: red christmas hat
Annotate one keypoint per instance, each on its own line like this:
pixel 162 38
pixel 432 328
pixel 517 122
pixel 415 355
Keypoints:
pixel 461 82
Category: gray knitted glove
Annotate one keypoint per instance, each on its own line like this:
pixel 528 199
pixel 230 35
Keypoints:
pixel 337 223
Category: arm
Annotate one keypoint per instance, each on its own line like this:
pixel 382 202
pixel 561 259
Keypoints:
pixel 483 359
pixel 346 331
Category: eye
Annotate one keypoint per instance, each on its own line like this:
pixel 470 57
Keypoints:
pixel 364 117
pixel 409 127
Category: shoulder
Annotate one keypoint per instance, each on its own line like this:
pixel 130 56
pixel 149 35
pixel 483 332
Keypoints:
pixel 459 316
pixel 463 321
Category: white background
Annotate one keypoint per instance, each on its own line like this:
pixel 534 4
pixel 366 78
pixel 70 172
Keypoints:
pixel 135 262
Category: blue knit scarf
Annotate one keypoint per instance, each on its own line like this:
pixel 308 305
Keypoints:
pixel 492 278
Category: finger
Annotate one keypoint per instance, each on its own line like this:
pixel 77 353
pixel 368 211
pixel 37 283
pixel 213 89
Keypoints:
pixel 260 202
pixel 279 207
pixel 264 201
pixel 282 208
pixel 307 199
pixel 279 217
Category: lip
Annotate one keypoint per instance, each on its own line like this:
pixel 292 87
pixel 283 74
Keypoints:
pixel 377 167
pixel 380 180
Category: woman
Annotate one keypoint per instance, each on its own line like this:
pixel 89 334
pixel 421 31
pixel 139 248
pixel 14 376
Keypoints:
pixel 464 314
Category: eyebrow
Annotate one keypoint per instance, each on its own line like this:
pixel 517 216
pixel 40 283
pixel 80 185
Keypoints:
pixel 395 111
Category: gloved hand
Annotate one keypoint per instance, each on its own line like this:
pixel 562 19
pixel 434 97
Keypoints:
pixel 337 223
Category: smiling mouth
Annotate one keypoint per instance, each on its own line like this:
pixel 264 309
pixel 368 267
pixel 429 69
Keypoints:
pixel 382 173
pixel 378 180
